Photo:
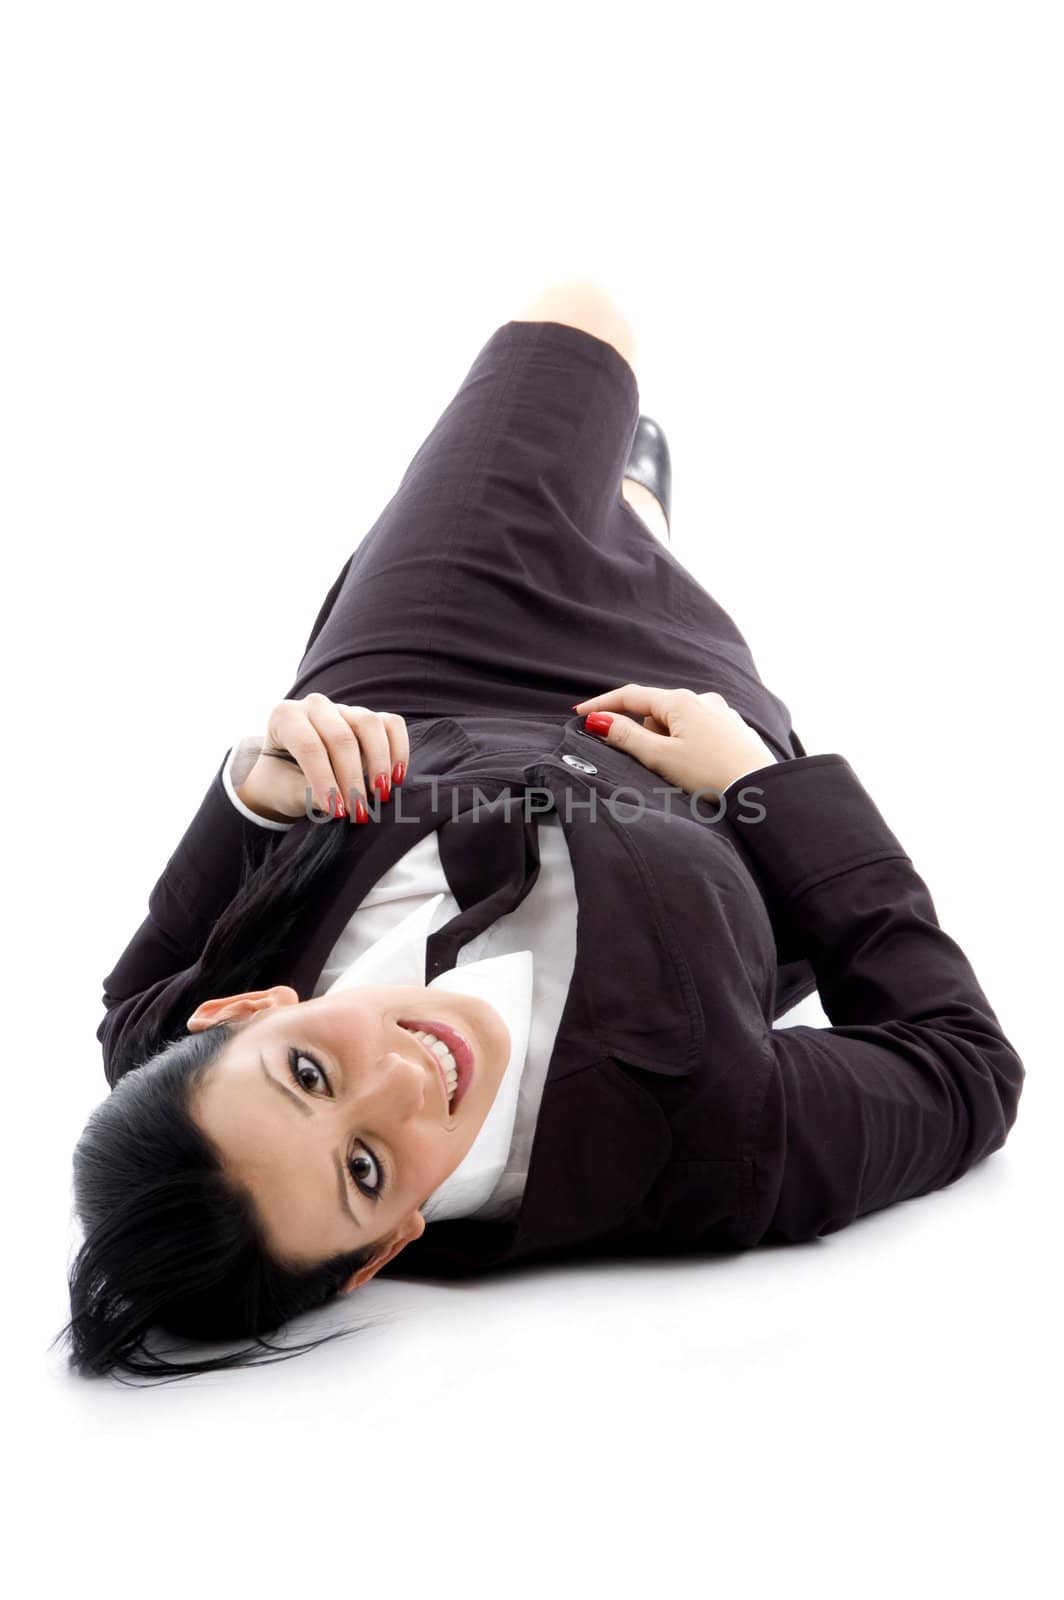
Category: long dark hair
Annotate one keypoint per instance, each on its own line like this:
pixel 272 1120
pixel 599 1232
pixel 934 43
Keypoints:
pixel 171 1241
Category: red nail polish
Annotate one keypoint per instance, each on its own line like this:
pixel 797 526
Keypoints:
pixel 361 814
pixel 339 810
pixel 598 722
pixel 398 773
pixel 381 783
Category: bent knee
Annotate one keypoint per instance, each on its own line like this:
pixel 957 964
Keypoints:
pixel 583 303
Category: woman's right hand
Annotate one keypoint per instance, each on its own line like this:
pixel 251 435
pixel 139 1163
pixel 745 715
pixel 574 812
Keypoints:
pixel 693 741
pixel 321 745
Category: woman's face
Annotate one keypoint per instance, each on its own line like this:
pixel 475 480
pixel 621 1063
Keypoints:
pixel 332 1115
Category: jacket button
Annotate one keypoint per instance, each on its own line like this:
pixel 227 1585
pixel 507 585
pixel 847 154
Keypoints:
pixel 581 766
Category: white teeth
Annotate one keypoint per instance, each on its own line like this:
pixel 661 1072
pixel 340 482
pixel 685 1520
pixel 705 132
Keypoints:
pixel 446 1060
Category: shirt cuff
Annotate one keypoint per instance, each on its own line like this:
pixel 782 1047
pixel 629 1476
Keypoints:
pixel 748 777
pixel 239 762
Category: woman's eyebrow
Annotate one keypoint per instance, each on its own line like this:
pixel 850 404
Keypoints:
pixel 304 1106
pixel 308 1111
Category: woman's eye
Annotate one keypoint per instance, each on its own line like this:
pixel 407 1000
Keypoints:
pixel 306 1071
pixel 357 1165
pixel 310 1076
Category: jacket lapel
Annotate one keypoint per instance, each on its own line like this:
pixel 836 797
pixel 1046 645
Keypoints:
pixel 633 996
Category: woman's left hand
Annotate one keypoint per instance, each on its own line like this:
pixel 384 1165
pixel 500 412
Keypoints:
pixel 696 741
pixel 318 743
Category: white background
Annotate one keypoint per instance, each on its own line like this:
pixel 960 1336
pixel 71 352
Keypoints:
pixel 250 252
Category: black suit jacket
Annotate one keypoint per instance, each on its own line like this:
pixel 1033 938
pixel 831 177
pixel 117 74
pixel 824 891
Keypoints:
pixel 674 1117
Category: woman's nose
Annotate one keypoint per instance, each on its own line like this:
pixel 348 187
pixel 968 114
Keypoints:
pixel 402 1084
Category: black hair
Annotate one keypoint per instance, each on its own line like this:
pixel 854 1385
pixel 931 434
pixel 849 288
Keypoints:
pixel 171 1239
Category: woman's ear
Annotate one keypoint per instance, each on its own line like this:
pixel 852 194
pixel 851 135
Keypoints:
pixel 412 1228
pixel 237 1007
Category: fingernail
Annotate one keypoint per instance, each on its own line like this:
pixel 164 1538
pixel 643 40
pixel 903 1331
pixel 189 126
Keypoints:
pixel 340 809
pixel 382 784
pixel 398 773
pixel 598 722
pixel 361 814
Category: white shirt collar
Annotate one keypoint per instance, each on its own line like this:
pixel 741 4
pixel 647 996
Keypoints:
pixel 506 983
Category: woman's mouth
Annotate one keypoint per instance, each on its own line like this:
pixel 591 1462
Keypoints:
pixel 456 1049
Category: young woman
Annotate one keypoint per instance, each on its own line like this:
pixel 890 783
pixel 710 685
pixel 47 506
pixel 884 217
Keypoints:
pixel 515 999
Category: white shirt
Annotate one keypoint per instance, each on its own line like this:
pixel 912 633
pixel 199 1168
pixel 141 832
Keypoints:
pixel 522 964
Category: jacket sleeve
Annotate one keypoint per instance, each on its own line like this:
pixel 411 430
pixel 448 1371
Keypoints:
pixel 914 1081
pixel 198 882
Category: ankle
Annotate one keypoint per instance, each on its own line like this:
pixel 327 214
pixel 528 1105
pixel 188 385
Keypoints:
pixel 647 507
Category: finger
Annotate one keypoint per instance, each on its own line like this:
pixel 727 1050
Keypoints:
pixel 344 748
pixel 376 735
pixel 596 702
pixel 371 731
pixel 636 698
pixel 398 744
pixel 300 738
pixel 636 739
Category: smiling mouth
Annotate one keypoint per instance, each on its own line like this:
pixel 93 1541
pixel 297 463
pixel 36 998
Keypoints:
pixel 433 1059
pixel 461 1054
